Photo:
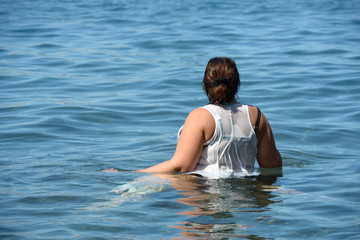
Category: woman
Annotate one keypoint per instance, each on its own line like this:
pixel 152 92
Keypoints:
pixel 225 135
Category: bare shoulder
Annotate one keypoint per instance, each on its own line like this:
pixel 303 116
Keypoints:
pixel 200 117
pixel 199 114
pixel 203 120
pixel 253 114
pixel 200 110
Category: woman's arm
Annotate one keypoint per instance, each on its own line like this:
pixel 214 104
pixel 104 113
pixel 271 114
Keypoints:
pixel 268 155
pixel 195 133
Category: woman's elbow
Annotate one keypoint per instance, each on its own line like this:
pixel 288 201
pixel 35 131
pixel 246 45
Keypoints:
pixel 270 161
pixel 184 168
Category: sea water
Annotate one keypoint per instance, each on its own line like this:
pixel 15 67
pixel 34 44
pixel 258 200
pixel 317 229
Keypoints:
pixel 99 84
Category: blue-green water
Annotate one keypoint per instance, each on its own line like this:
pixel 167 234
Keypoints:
pixel 97 84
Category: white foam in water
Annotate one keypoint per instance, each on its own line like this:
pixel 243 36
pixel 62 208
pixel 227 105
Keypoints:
pixel 141 186
pixel 224 174
pixel 139 189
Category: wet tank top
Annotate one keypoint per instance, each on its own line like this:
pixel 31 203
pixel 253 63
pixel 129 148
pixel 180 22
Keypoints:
pixel 233 146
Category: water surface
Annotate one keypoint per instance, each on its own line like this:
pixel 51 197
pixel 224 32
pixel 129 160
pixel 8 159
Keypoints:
pixel 92 85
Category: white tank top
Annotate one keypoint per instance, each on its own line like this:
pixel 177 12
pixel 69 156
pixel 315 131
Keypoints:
pixel 233 146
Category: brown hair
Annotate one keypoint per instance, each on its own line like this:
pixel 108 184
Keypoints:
pixel 221 80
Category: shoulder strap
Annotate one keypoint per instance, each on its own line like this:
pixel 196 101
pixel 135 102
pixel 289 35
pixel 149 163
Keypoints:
pixel 256 127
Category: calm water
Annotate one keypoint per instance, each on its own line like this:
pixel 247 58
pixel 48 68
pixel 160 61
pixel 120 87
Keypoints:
pixel 97 84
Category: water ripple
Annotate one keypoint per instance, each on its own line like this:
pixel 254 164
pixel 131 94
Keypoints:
pixel 92 85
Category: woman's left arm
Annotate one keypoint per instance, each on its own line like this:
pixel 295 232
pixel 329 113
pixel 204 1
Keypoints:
pixel 189 146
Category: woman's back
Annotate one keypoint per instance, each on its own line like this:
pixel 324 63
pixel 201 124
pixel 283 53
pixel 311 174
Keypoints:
pixel 233 146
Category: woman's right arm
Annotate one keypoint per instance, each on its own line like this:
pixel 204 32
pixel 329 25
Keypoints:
pixel 268 155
